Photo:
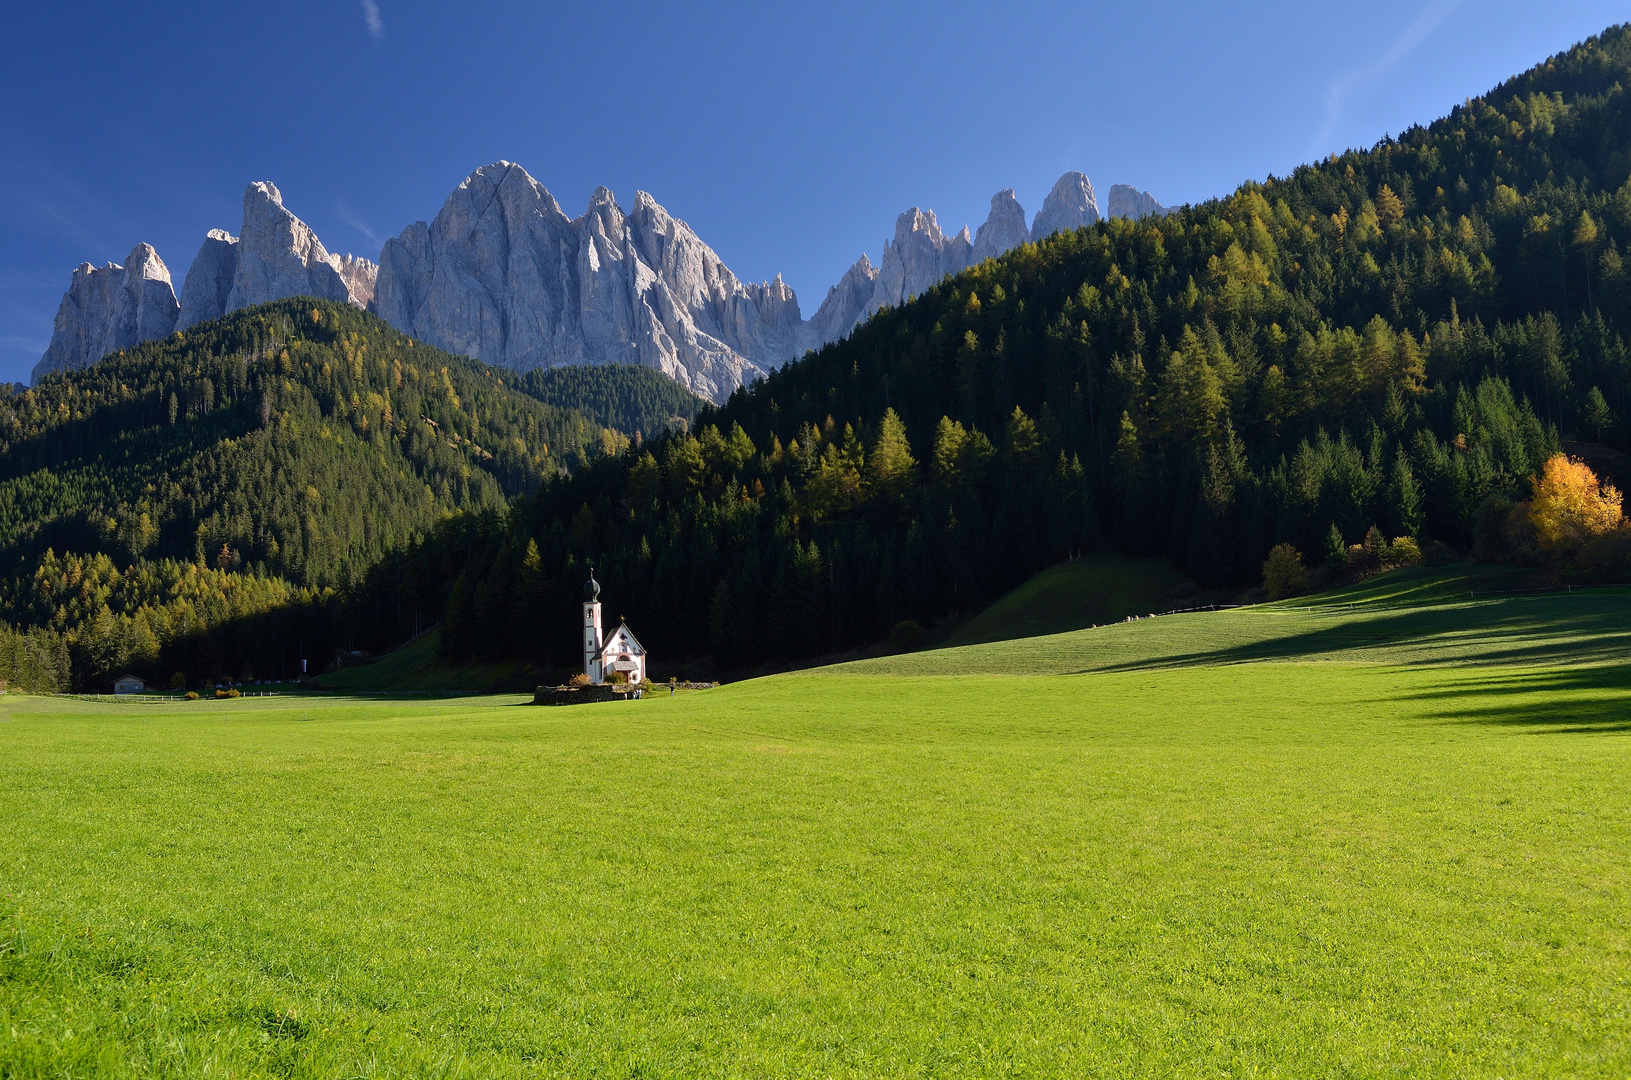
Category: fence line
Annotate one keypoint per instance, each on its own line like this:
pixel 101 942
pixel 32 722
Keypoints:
pixel 160 699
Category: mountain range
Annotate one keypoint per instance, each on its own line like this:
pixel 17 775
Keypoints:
pixel 504 276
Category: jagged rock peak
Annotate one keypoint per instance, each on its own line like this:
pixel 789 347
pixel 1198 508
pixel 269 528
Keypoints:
pixel 1004 228
pixel 208 286
pixel 845 303
pixel 279 255
pixel 503 275
pixel 1070 205
pixel 111 308
pixel 919 256
pixel 1129 202
pixel 274 256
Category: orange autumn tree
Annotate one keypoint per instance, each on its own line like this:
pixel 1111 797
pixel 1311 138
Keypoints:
pixel 1569 507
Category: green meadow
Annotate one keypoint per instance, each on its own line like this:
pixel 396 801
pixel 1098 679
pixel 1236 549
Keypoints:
pixel 1378 833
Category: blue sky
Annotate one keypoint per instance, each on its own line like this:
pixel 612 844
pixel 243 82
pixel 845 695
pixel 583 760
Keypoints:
pixel 789 135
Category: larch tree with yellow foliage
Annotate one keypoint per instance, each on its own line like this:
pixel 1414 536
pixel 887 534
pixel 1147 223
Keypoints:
pixel 1569 506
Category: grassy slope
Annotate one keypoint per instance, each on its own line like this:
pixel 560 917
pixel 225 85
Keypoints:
pixel 1072 595
pixel 1404 617
pixel 416 666
pixel 1293 869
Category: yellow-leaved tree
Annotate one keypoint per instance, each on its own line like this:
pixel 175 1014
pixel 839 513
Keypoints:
pixel 1569 506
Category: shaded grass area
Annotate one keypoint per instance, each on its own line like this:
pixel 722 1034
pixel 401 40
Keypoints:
pixel 1072 595
pixel 1405 617
pixel 1570 700
pixel 1418 585
pixel 1178 864
pixel 417 667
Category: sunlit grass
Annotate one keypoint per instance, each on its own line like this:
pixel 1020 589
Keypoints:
pixel 1271 869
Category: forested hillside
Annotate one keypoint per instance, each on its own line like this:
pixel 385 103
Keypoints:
pixel 156 504
pixel 304 437
pixel 1389 337
pixel 623 397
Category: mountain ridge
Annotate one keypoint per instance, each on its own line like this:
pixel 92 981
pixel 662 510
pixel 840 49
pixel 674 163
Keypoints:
pixel 502 275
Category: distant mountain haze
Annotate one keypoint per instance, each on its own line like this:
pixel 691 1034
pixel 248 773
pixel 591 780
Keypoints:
pixel 504 276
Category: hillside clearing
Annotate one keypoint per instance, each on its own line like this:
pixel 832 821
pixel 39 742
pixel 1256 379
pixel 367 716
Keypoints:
pixel 417 667
pixel 1073 595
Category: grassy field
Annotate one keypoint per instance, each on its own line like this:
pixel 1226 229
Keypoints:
pixel 1381 834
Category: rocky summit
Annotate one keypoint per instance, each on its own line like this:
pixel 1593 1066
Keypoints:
pixel 1070 205
pixel 504 275
pixel 208 288
pixel 111 308
pixel 1004 228
pixel 275 256
pixel 1129 202
pixel 846 303
pixel 921 255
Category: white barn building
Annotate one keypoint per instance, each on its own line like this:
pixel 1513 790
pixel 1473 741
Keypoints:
pixel 602 655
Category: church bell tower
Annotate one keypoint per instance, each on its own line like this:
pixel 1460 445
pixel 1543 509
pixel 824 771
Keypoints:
pixel 592 639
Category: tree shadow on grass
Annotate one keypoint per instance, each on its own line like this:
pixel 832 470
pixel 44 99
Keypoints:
pixel 1581 701
pixel 1511 631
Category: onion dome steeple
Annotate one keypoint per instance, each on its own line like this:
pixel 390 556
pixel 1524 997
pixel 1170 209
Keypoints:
pixel 591 588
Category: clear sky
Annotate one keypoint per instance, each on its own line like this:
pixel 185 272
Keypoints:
pixel 789 135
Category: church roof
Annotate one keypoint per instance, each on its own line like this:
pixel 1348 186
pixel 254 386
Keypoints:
pixel 622 629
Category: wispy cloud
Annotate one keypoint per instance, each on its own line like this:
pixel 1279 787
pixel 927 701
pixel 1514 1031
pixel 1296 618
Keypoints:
pixel 1340 89
pixel 345 214
pixel 370 14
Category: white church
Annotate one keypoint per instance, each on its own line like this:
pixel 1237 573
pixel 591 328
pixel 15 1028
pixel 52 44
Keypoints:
pixel 604 655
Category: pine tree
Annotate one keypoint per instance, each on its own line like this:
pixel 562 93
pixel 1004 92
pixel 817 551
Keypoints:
pixel 1598 416
pixel 1404 498
pixel 891 469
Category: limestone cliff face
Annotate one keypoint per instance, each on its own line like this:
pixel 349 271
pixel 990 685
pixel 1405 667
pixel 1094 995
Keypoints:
pixel 208 287
pixel 279 256
pixel 359 276
pixel 111 308
pixel 504 275
pixel 1129 202
pixel 918 257
pixel 846 303
pixel 1069 206
pixel 1004 228
pixel 921 255
pixel 274 256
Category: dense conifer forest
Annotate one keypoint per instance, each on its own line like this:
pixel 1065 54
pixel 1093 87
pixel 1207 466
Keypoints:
pixel 638 401
pixel 203 503
pixel 1392 337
